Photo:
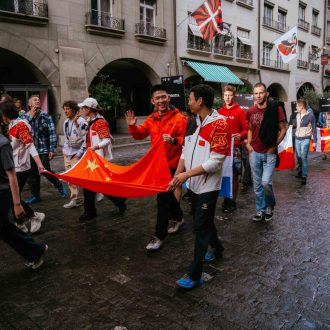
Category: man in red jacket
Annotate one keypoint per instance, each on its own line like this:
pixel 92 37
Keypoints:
pixel 236 120
pixel 167 124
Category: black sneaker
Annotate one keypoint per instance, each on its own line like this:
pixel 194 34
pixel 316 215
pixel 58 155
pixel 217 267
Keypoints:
pixel 268 214
pixel 230 207
pixel 225 203
pixel 259 216
pixel 303 180
pixel 85 217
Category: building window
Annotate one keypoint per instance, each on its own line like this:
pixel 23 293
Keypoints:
pixel 279 61
pixel 244 46
pixel 281 17
pixel 266 53
pixel 101 12
pixel 301 12
pixel 315 17
pixel 268 15
pixel 148 12
pixel 300 53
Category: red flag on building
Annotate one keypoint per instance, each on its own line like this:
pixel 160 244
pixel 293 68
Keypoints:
pixel 209 18
pixel 148 176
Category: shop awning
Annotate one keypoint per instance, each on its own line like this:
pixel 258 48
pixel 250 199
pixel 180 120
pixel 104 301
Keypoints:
pixel 215 73
pixel 245 41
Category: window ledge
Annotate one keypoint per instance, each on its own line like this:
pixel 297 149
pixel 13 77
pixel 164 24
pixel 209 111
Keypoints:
pixel 150 39
pixel 7 16
pixel 104 31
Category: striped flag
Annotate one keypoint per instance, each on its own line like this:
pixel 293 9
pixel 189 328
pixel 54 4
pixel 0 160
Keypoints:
pixel 285 152
pixel 226 184
pixel 209 17
pixel 323 140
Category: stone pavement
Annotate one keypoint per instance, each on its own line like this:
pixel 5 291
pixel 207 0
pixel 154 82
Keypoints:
pixel 97 274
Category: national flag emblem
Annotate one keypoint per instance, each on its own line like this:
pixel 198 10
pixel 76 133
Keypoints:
pixel 226 185
pixel 285 152
pixel 209 18
pixel 287 45
pixel 323 140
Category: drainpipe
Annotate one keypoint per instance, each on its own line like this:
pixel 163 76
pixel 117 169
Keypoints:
pixel 175 40
pixel 325 27
pixel 259 34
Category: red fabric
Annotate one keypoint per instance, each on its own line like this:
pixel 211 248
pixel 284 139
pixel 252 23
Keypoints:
pixel 287 161
pixel 149 176
pixel 255 116
pixel 218 135
pixel 99 127
pixel 236 119
pixel 173 123
pixel 208 17
pixel 21 132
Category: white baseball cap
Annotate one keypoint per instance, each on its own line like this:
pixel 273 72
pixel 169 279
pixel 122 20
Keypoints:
pixel 89 102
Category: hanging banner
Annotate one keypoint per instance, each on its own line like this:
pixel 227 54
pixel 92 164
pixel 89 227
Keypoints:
pixel 175 88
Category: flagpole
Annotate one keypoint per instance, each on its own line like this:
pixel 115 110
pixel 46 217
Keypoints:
pixel 187 17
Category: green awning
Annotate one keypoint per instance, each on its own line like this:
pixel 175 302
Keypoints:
pixel 215 73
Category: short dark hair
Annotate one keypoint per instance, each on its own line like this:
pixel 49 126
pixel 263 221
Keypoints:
pixel 8 109
pixel 303 102
pixel 72 105
pixel 205 92
pixel 260 84
pixel 155 88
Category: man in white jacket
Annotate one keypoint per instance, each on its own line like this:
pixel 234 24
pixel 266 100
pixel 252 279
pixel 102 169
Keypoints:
pixel 200 166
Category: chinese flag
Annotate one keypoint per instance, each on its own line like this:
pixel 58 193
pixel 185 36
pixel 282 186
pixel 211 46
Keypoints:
pixel 148 176
pixel 209 17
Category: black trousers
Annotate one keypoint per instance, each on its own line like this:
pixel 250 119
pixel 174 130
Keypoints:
pixel 204 229
pixel 89 201
pixel 22 177
pixel 168 208
pixel 34 179
pixel 22 243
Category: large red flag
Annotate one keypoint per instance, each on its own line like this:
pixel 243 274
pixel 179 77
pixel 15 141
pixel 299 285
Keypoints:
pixel 209 17
pixel 148 176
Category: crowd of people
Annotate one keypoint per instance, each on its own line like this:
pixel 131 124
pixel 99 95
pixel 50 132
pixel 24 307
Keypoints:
pixel 196 146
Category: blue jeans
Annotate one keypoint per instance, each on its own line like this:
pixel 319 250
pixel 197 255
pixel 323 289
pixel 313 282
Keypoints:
pixel 262 168
pixel 302 149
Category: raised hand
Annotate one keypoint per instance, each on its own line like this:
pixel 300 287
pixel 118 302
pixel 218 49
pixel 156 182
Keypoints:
pixel 130 118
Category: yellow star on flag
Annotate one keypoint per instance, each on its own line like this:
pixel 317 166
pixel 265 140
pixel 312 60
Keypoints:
pixel 107 179
pixel 91 165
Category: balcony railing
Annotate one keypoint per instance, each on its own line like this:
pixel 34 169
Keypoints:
pixel 302 64
pixel 27 7
pixel 314 67
pixel 102 23
pixel 246 55
pixel 275 64
pixel 225 51
pixel 302 24
pixel 196 43
pixel 276 25
pixel 104 19
pixel 246 3
pixel 147 29
pixel 315 30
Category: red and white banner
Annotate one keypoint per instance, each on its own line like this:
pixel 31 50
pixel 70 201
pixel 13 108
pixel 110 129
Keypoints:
pixel 323 140
pixel 287 45
pixel 285 152
pixel 208 18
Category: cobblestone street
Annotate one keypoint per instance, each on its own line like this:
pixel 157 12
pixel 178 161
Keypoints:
pixel 97 275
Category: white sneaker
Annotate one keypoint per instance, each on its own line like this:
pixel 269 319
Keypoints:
pixel 174 226
pixel 99 197
pixel 154 244
pixel 72 203
pixel 22 227
pixel 36 221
